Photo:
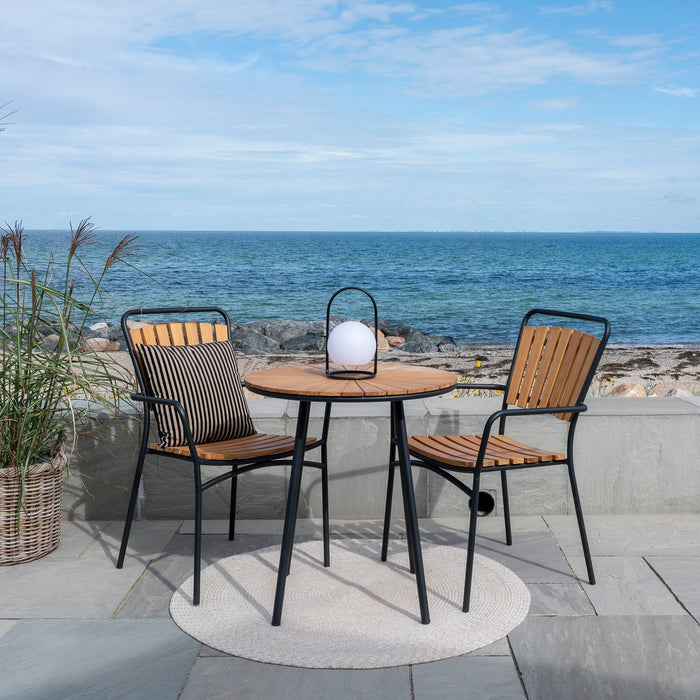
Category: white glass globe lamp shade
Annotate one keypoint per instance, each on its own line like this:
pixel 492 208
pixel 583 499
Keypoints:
pixel 351 343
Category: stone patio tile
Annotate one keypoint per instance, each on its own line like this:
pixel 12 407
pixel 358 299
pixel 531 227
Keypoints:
pixel 559 599
pixel 62 588
pixel 240 679
pixel 105 659
pixel 76 537
pixel 147 540
pixel 682 576
pixel 6 626
pixel 628 535
pixel 628 657
pixel 534 557
pixel 498 648
pixel 626 586
pixel 469 676
pixel 151 597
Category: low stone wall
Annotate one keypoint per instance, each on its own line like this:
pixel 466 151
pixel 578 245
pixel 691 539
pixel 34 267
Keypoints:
pixel 632 456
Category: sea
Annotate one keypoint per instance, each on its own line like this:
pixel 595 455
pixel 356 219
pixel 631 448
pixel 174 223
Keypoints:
pixel 472 287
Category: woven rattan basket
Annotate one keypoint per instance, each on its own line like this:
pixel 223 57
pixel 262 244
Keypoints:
pixel 37 529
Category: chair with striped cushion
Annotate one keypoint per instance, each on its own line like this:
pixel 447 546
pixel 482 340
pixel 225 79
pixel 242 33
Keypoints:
pixel 188 378
pixel 551 371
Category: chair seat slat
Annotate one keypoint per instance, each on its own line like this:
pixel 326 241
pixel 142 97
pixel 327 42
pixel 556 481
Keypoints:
pixel 462 450
pixel 241 449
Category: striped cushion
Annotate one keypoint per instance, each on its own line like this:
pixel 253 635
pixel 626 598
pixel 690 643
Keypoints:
pixel 204 379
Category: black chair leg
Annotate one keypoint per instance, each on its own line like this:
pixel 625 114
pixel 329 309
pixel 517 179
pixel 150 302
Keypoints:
pixel 581 524
pixel 506 508
pixel 232 512
pixel 197 542
pixel 132 508
pixel 326 523
pixel 471 544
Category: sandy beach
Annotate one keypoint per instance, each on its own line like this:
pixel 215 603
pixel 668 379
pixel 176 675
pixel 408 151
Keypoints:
pixel 623 371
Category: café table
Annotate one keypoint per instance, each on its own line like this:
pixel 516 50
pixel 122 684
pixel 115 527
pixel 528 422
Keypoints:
pixel 395 383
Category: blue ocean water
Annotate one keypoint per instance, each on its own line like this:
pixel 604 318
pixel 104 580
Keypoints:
pixel 474 287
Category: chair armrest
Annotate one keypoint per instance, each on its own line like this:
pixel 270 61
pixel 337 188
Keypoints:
pixel 508 412
pixel 180 412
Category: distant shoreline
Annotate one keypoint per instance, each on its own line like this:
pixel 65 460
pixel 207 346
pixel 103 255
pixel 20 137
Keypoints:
pixel 623 371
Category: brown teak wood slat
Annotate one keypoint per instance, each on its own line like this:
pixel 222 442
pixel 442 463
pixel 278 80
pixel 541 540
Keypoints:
pixel 462 450
pixel 241 449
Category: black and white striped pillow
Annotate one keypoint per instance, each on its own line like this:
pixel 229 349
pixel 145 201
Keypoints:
pixel 204 379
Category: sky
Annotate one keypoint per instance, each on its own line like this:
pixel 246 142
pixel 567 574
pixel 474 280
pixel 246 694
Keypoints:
pixel 560 115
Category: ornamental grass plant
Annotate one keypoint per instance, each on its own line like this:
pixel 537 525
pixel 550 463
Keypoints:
pixel 49 383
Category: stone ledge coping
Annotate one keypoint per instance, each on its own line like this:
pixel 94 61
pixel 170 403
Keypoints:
pixel 269 408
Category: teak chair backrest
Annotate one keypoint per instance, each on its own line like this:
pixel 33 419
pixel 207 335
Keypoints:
pixel 173 332
pixel 179 333
pixel 552 367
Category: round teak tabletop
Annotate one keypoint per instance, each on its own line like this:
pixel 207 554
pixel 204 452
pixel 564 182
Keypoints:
pixel 393 380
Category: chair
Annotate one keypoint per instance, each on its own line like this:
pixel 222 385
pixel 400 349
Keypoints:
pixel 188 377
pixel 551 372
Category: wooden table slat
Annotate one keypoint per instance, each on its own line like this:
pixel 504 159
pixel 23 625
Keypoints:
pixel 311 380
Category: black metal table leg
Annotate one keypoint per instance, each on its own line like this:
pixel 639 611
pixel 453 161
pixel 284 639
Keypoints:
pixel 291 509
pixel 410 505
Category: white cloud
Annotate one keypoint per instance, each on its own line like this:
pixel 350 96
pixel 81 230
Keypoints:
pixel 674 197
pixel 556 104
pixel 678 91
pixel 272 110
pixel 578 10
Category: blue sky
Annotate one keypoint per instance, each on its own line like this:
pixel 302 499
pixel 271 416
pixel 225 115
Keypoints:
pixel 354 115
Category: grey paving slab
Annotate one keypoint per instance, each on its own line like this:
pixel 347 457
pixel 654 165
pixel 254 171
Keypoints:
pixel 534 557
pixel 487 678
pixel 147 539
pixel 6 626
pixel 559 599
pixel 627 586
pixel 240 679
pixel 76 537
pixel 498 648
pixel 65 588
pixel 627 657
pixel 61 659
pixel 682 576
pixel 627 535
pixel 151 596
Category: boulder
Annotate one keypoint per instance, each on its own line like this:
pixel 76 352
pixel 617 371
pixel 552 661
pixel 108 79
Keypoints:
pixel 50 341
pixel 284 330
pixel 395 340
pixel 629 390
pixel 304 343
pixel 669 388
pixel 114 332
pixel 382 344
pixel 137 324
pixel 99 345
pixel 251 342
pixel 417 342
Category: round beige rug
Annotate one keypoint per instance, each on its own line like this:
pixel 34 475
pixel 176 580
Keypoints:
pixel 359 613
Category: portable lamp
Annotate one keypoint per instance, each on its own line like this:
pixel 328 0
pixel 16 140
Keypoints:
pixel 351 345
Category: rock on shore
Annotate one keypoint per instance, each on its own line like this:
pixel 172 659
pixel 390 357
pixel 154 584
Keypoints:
pixel 623 371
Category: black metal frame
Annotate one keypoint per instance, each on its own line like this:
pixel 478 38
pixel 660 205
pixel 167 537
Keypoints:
pixel 500 416
pixel 238 467
pixel 399 442
pixel 351 373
